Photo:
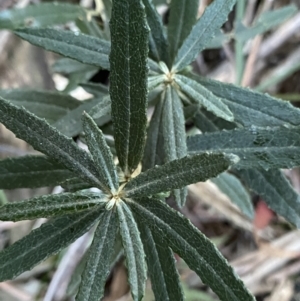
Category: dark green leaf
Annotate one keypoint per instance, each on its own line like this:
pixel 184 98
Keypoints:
pixel 194 248
pixel 134 252
pixel 158 46
pixel 101 153
pixel 208 122
pixel 83 48
pixel 48 140
pixel 44 104
pixel 99 259
pixel 71 124
pixel 202 33
pixel 183 15
pixel 234 189
pixel 43 242
pixel 250 107
pixel 173 127
pixel 153 154
pixel 161 266
pixel 128 88
pixel 266 148
pixel 31 172
pixel 50 205
pixel 179 173
pixel 204 97
pixel 40 15
pixel 75 184
pixel 275 190
pixel 102 109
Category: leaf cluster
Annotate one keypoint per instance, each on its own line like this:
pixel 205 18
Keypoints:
pixel 252 133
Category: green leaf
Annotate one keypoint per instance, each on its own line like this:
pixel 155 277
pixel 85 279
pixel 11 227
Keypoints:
pixel 71 124
pixel 74 184
pixel 161 265
pixel 98 90
pixel 83 48
pixel 158 46
pixel 99 259
pixel 257 147
pixel 234 189
pixel 134 252
pixel 50 205
pixel 202 33
pixel 204 97
pixel 3 198
pixel 43 242
pixel 31 172
pixel 102 108
pixel 275 190
pixel 68 66
pixel 179 173
pixel 153 154
pixel 48 140
pixel 128 77
pixel 265 22
pixel 250 107
pixel 45 104
pixel 40 15
pixel 101 153
pixel 195 249
pixel 183 16
pixel 173 127
pixel 208 122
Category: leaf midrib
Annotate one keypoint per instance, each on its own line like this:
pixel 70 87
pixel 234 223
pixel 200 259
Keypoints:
pixel 49 237
pixel 196 40
pixel 158 220
pixel 131 192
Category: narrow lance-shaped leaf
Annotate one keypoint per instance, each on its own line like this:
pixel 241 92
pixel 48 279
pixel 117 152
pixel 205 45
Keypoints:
pixel 266 148
pixel 204 97
pixel 164 276
pixel 173 127
pixel 183 15
pixel 234 189
pixel 250 107
pixel 275 190
pixel 71 124
pixel 69 67
pixel 43 242
pixel 40 15
pixel 45 104
pixel 50 205
pixel 46 139
pixel 128 89
pixel 179 173
pixel 202 33
pixel 153 154
pixel 83 48
pixel 134 252
pixel 31 172
pixel 208 122
pixel 158 46
pixel 195 249
pixel 101 153
pixel 102 108
pixel 99 259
